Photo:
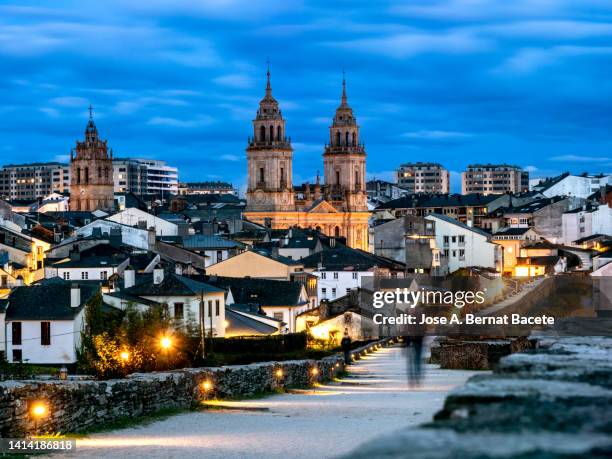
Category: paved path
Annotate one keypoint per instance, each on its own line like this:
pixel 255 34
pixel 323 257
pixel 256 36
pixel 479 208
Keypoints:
pixel 332 419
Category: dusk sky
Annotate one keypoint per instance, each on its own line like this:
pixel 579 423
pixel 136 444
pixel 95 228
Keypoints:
pixel 456 82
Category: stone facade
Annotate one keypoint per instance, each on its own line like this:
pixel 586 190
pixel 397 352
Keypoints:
pixel 91 169
pixel 337 208
pixel 74 405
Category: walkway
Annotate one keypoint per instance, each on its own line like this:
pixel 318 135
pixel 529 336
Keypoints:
pixel 330 420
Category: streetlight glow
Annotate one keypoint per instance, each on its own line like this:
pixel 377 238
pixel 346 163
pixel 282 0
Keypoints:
pixel 166 342
pixel 39 410
pixel 207 385
pixel 279 373
pixel 125 355
pixel 315 371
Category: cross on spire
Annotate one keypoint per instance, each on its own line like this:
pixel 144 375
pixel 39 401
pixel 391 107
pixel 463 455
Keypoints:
pixel 343 87
pixel 90 112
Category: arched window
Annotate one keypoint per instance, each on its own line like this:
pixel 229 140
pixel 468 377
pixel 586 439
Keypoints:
pixel 271 133
pixel 337 231
pixel 338 139
pixel 346 139
pixel 99 172
pixel 357 184
pixel 86 175
pixel 106 173
pixel 278 133
pixel 78 176
pixel 262 134
pixel 338 178
pixel 353 139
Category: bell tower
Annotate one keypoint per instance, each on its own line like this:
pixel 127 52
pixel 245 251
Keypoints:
pixel 91 169
pixel 270 159
pixel 344 160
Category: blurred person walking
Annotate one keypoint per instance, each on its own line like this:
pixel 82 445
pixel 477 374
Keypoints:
pixel 346 347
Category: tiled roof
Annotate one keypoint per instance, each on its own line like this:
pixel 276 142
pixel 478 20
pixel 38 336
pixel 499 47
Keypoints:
pixel 239 324
pixel 200 241
pixel 342 258
pixel 439 200
pixel 264 292
pixel 47 301
pixel 172 285
pixel 534 206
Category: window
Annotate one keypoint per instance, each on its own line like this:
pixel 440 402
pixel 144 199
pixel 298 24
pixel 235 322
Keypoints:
pixel 45 333
pixel 324 292
pixel 461 254
pixel 279 315
pixel 261 175
pixel 334 292
pixel 454 239
pixel 17 355
pixel 84 275
pixel 335 275
pixel 103 275
pixel 355 276
pixel 16 333
pixel 217 308
pixel 323 275
pixel 454 253
pixel 219 256
pixel 178 310
pixel 348 290
pixel 66 275
pixel 462 239
pixel 446 239
pixel 4 282
pixel 210 304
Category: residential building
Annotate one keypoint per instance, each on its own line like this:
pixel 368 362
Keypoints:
pixel 29 182
pixel 44 322
pixel 423 178
pixel 512 240
pixel 256 263
pixel 144 177
pixel 586 221
pixel 380 191
pixel 463 246
pixel 24 249
pixel 543 215
pixel 494 179
pixel 566 184
pixel 183 298
pixel 469 209
pixel 340 269
pixel 214 248
pixel 217 187
pixel 337 208
pixel 98 263
pixel 282 301
pixel 539 266
pixel 140 219
pixel 410 240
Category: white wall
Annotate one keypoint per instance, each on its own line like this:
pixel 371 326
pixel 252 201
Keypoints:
pixel 289 313
pixel 134 216
pixel 594 222
pixel 76 274
pixel 65 338
pixel 478 251
pixel 134 237
pixel 573 185
pixel 339 280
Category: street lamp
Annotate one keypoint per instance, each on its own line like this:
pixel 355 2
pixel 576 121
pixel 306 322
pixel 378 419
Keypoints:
pixel 206 386
pixel 279 373
pixel 125 356
pixel 165 343
pixel 38 411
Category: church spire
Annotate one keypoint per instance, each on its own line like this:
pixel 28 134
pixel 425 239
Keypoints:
pixel 268 85
pixel 344 102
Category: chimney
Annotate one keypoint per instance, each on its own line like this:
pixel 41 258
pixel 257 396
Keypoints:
pixel 158 275
pixel 75 296
pixel 129 277
pixel 178 269
pixel 75 253
pixel 332 242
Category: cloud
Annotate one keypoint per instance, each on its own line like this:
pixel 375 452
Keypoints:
pixel 235 80
pixel 61 158
pixel 70 101
pixel 200 120
pixel 579 158
pixel 232 158
pixel 50 112
pixel 435 135
pixel 550 29
pixel 404 45
pixel 530 168
pixel 528 60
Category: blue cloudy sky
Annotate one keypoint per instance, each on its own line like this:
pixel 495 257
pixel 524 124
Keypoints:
pixel 454 81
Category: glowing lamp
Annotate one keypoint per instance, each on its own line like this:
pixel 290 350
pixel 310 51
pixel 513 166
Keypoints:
pixel 207 385
pixel 315 371
pixel 166 342
pixel 39 410
pixel 125 356
pixel 279 373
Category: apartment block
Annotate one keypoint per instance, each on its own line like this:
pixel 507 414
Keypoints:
pixel 494 179
pixel 33 181
pixel 423 178
pixel 144 177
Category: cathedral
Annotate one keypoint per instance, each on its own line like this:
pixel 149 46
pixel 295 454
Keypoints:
pixel 338 207
pixel 91 170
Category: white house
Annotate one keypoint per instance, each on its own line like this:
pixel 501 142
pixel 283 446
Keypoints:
pixel 340 269
pixel 140 219
pixel 581 186
pixel 180 296
pixel 96 263
pixel 588 220
pixel 214 248
pixel 464 246
pixel 43 322
pixel 133 236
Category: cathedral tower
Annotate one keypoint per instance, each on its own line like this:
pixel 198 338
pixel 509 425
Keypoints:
pixel 91 169
pixel 270 159
pixel 344 159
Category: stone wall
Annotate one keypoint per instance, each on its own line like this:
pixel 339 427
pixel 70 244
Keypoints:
pixel 554 402
pixel 74 406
